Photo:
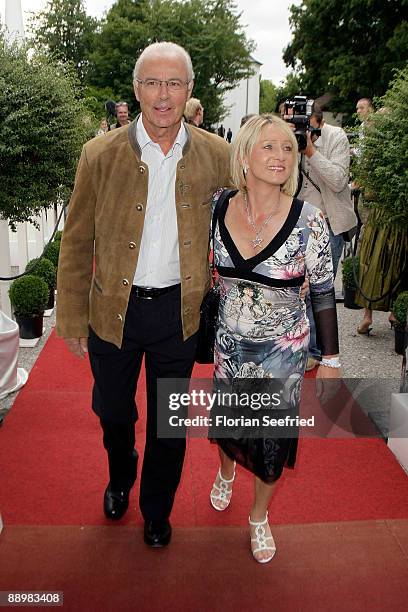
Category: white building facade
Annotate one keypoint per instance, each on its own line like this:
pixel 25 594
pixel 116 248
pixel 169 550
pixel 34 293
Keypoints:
pixel 243 100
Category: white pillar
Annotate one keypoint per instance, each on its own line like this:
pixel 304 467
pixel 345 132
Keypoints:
pixel 22 246
pixel 19 247
pixel 14 19
pixel 48 223
pixel 5 267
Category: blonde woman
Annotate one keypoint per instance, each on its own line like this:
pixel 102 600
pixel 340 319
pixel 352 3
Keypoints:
pixel 266 242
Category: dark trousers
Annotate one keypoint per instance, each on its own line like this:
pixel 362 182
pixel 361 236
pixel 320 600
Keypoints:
pixel 153 330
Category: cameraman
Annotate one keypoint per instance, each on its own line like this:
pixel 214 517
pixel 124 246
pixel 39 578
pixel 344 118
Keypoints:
pixel 324 174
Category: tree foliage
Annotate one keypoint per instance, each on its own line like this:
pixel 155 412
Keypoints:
pixel 382 167
pixel 347 47
pixel 65 31
pixel 291 87
pixel 268 97
pixel 122 37
pixel 210 30
pixel 42 129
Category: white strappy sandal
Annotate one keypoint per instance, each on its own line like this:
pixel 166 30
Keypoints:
pixel 221 493
pixel 260 542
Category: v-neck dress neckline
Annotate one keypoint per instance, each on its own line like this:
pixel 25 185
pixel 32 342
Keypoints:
pixel 277 241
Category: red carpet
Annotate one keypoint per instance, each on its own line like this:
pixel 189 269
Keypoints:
pixel 341 567
pixel 54 469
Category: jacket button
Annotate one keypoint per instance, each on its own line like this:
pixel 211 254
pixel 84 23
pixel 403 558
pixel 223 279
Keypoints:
pixel 125 282
pixel 132 245
pixel 142 169
pixel 182 166
pixel 119 317
pixel 139 207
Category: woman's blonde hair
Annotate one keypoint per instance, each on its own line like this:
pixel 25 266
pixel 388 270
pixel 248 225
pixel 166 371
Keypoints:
pixel 245 141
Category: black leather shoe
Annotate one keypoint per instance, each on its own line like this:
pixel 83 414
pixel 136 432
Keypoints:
pixel 116 502
pixel 157 533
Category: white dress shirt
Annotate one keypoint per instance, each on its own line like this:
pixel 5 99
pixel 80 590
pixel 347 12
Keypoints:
pixel 158 263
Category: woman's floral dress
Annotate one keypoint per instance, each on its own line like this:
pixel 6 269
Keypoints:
pixel 263 330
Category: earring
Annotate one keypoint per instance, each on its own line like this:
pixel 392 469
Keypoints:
pixel 245 170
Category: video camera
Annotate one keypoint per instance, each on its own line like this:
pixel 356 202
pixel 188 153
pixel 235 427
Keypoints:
pixel 300 110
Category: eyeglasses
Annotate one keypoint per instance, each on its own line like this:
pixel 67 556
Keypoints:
pixel 155 84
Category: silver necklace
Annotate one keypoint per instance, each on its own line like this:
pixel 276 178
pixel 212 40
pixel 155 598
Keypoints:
pixel 258 238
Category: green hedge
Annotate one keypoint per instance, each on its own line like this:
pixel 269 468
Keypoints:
pixel 400 309
pixel 381 169
pixel 44 268
pixel 43 126
pixel 347 272
pixel 29 295
pixel 52 252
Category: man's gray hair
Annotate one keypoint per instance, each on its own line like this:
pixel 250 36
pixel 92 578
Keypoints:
pixel 164 48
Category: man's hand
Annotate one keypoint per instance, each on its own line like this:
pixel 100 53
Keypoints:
pixel 310 149
pixel 78 346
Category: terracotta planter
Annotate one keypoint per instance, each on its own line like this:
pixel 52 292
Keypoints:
pixel 349 296
pixel 401 340
pixel 30 327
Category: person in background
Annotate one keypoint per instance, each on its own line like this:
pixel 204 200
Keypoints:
pixel 364 108
pixel 324 167
pixel 229 135
pixel 221 131
pixel 265 242
pixel 103 127
pixel 122 115
pixel 382 253
pixel 194 112
pixel 133 271
pixel 246 118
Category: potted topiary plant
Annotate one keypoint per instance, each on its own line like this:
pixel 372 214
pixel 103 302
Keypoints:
pixel 52 252
pixel 29 296
pixel 45 269
pixel 350 268
pixel 400 310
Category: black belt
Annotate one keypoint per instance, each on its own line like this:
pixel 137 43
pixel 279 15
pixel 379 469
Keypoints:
pixel 148 293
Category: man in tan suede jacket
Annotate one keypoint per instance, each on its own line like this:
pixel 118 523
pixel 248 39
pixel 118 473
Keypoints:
pixel 133 270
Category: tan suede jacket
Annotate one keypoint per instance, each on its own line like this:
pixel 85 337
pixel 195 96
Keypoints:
pixel 105 220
